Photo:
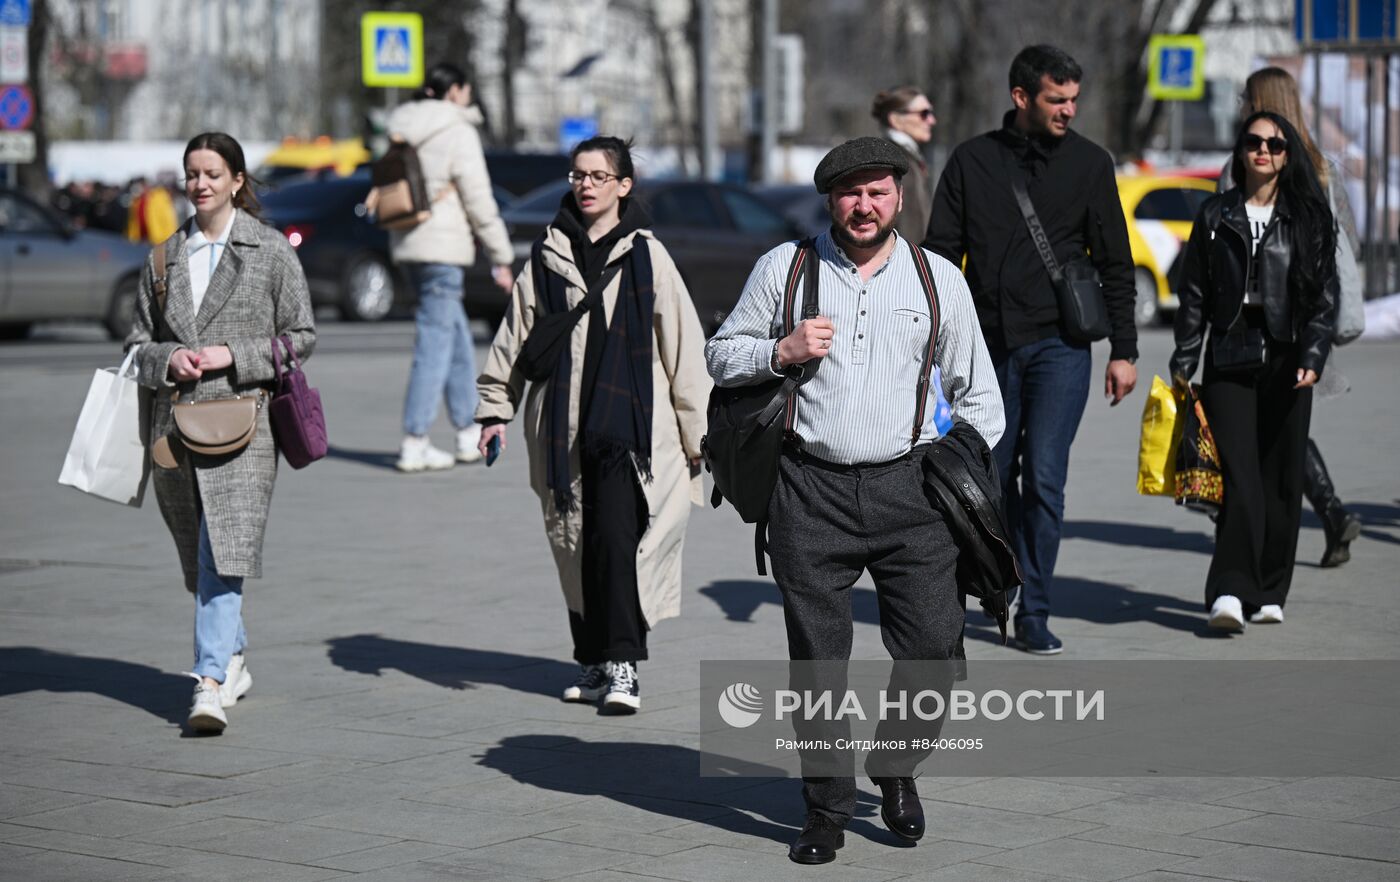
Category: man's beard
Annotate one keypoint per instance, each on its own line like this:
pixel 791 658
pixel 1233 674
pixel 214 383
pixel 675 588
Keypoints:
pixel 844 236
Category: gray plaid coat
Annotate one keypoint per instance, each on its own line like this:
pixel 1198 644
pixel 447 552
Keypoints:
pixel 258 291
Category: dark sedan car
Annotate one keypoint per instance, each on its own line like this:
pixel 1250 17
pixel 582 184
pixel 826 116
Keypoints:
pixel 346 257
pixel 800 203
pixel 715 233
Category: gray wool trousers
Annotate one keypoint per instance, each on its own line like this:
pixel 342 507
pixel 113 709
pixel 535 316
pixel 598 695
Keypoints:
pixel 829 524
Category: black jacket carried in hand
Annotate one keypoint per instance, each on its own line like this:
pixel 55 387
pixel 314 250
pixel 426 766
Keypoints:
pixel 1072 185
pixel 961 483
pixel 1215 276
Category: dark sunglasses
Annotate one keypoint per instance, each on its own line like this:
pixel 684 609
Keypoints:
pixel 1275 145
pixel 926 114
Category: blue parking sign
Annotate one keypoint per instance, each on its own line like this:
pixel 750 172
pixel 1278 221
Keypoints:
pixel 14 13
pixel 1178 63
pixel 1176 69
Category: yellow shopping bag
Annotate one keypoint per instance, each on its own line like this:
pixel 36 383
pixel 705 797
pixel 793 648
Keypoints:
pixel 1161 433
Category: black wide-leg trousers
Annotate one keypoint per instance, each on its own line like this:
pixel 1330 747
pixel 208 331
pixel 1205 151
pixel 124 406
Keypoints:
pixel 1260 425
pixel 612 627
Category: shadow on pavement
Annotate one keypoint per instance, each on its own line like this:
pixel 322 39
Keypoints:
pixel 1143 535
pixel 1100 602
pixel 30 669
pixel 375 458
pixel 453 667
pixel 665 779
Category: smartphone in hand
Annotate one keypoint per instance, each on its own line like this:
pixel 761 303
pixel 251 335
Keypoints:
pixel 493 450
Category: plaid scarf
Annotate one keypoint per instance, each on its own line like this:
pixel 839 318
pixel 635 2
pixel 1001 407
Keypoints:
pixel 618 421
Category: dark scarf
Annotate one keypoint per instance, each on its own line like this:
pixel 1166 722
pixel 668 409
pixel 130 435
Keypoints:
pixel 618 420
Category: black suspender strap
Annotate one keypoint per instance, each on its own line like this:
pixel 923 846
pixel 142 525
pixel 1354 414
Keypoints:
pixel 925 274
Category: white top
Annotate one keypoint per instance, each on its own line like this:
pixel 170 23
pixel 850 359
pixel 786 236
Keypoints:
pixel 203 256
pixel 858 406
pixel 1259 217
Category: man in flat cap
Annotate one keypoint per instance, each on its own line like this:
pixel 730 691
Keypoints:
pixel 849 496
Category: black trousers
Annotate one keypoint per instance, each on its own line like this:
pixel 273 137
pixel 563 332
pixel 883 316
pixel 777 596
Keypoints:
pixel 612 627
pixel 1260 425
pixel 826 527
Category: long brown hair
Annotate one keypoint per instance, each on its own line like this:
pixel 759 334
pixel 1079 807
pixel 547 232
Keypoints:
pixel 1274 90
pixel 232 153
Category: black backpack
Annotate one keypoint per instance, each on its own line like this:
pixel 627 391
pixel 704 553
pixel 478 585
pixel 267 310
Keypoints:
pixel 744 437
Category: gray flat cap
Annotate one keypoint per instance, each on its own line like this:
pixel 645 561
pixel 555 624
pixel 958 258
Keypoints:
pixel 861 153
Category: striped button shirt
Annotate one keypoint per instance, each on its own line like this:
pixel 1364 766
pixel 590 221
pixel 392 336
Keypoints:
pixel 859 405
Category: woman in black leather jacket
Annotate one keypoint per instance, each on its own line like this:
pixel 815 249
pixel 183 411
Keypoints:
pixel 1260 273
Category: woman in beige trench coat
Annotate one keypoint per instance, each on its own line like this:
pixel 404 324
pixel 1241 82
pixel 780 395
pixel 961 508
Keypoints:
pixel 232 285
pixel 614 430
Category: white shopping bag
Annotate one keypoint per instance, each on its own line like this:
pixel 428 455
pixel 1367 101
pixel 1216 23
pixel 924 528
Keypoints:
pixel 107 457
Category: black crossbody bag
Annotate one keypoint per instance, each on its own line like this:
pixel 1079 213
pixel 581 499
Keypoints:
pixel 550 333
pixel 1077 290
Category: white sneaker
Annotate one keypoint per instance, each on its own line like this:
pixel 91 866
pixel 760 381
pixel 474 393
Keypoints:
pixel 1227 614
pixel 237 681
pixel 467 441
pixel 206 711
pixel 1268 614
pixel 417 455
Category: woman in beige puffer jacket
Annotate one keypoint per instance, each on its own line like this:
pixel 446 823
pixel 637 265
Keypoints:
pixel 440 124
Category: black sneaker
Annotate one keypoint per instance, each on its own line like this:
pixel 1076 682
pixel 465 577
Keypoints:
pixel 624 695
pixel 592 682
pixel 1035 637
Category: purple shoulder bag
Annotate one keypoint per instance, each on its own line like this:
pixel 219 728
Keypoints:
pixel 298 423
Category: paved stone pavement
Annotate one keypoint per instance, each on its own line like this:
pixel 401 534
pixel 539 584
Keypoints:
pixel 408 643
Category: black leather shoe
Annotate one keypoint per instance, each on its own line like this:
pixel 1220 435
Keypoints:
pixel 901 810
pixel 1035 637
pixel 819 840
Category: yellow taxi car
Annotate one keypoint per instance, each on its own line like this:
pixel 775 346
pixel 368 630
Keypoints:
pixel 1159 210
pixel 296 156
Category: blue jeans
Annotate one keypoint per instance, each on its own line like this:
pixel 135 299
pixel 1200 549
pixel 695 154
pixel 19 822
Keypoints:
pixel 1044 387
pixel 444 360
pixel 218 614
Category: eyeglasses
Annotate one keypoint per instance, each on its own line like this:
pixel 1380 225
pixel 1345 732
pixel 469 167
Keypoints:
pixel 599 178
pixel 926 114
pixel 1252 143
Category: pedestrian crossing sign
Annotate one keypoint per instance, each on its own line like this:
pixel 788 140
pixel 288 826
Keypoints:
pixel 391 47
pixel 1176 67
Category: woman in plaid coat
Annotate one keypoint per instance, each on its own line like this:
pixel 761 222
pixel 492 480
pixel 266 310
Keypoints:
pixel 232 285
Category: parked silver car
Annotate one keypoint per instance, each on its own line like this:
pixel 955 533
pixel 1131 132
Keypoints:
pixel 51 271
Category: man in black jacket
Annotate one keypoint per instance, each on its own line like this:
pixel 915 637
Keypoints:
pixel 1044 375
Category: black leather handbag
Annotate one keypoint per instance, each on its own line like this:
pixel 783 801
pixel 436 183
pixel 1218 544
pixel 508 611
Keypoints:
pixel 1077 290
pixel 744 435
pixel 1240 349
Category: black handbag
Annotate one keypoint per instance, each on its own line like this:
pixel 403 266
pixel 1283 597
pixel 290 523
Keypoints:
pixel 550 333
pixel 1077 290
pixel 1240 349
pixel 744 435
